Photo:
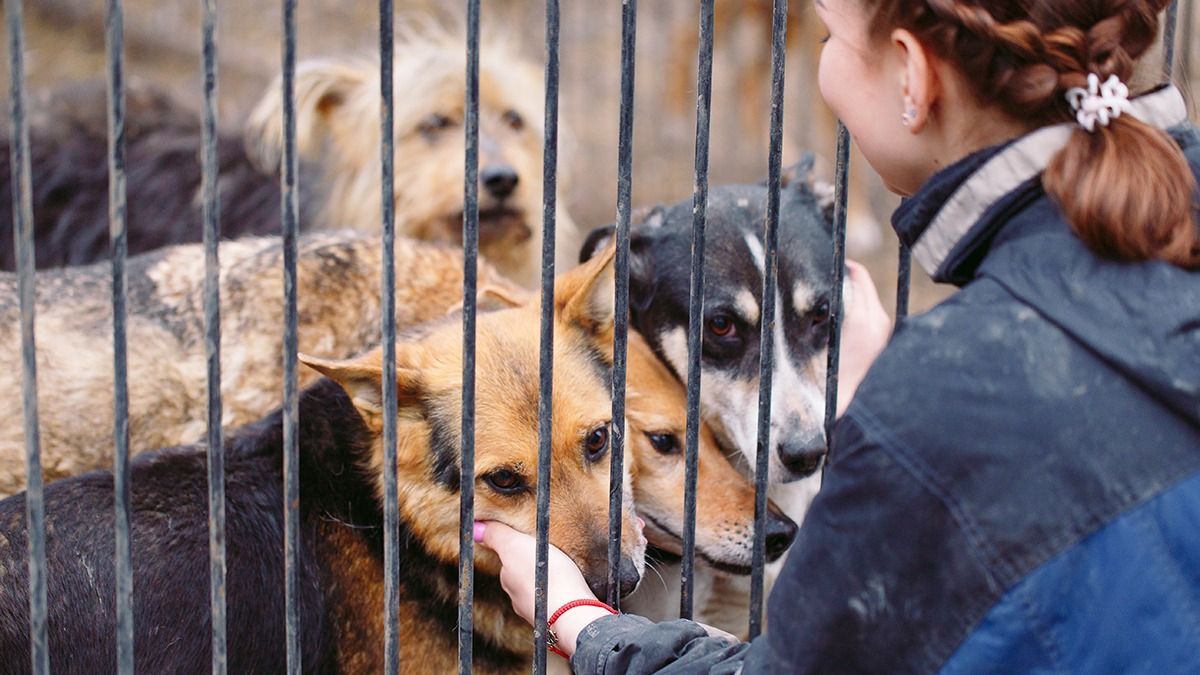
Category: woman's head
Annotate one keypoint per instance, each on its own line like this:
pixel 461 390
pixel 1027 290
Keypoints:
pixel 923 82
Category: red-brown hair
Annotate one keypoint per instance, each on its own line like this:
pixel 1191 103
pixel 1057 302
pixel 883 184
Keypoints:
pixel 1126 189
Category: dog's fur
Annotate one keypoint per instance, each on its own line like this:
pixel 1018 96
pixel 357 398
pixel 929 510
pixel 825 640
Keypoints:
pixel 69 166
pixel 655 410
pixel 338 140
pixel 337 108
pixel 338 289
pixel 340 572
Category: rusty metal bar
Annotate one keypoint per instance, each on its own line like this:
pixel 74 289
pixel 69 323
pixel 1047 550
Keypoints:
pixel 391 507
pixel 23 243
pixel 210 211
pixel 616 484
pixel 291 399
pixel 119 249
pixel 696 306
pixel 546 342
pixel 466 555
pixel 767 332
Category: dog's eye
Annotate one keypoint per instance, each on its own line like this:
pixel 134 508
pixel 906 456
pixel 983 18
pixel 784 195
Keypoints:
pixel 722 326
pixel 596 443
pixel 820 312
pixel 434 123
pixel 505 481
pixel 514 120
pixel 664 443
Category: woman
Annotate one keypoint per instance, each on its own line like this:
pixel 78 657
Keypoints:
pixel 1016 483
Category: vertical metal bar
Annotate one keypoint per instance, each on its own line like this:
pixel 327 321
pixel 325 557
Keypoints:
pixel 1188 40
pixel 291 407
pixel 210 210
pixel 616 484
pixel 767 335
pixel 1169 38
pixel 546 344
pixel 696 305
pixel 23 243
pixel 391 507
pixel 839 271
pixel 466 507
pixel 903 281
pixel 119 248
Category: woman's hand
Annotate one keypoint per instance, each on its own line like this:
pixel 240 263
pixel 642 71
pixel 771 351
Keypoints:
pixel 518 558
pixel 866 329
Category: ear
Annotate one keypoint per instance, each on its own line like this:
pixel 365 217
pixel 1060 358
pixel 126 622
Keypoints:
pixel 322 89
pixel 596 240
pixel 362 378
pixel 798 175
pixel 800 179
pixel 583 297
pixel 642 280
pixel 918 85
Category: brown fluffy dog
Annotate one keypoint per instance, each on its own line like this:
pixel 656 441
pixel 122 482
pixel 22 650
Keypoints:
pixel 339 316
pixel 337 131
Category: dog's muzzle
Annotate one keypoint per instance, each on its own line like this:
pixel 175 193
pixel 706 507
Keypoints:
pixel 802 457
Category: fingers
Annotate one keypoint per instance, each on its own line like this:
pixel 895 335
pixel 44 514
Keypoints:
pixel 499 537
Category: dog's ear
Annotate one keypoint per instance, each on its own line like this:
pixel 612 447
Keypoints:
pixel 642 280
pixel 799 180
pixel 596 241
pixel 322 89
pixel 583 297
pixel 362 378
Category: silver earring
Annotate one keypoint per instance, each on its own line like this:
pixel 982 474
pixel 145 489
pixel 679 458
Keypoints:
pixel 908 116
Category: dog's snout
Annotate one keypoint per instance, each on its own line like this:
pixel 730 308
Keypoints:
pixel 627 579
pixel 499 180
pixel 627 576
pixel 781 530
pixel 802 457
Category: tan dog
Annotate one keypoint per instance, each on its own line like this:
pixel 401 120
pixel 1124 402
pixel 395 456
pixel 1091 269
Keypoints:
pixel 656 412
pixel 337 131
pixel 340 587
pixel 339 316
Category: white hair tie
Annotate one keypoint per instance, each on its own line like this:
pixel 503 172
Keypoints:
pixel 1099 102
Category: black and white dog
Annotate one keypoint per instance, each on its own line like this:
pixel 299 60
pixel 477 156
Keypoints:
pixel 734 264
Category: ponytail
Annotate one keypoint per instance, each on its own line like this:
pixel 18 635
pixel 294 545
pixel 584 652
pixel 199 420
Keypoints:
pixel 1128 193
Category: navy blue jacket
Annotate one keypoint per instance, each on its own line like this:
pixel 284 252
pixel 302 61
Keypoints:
pixel 1016 485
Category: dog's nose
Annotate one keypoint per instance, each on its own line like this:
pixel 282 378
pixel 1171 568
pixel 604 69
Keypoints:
pixel 802 457
pixel 781 530
pixel 627 579
pixel 627 576
pixel 499 179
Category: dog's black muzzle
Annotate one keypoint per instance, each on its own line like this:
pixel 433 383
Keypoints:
pixel 802 457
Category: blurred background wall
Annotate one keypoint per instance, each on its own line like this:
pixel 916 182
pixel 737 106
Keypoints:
pixel 65 42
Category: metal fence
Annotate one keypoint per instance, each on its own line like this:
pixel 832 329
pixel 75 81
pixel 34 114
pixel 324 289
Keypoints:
pixel 23 233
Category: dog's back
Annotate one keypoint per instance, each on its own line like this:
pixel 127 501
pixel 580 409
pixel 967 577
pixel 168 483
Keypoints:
pixel 69 167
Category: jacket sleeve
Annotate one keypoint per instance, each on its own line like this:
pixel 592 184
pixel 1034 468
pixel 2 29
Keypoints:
pixel 632 644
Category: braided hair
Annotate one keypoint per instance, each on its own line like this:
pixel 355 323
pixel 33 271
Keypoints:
pixel 1126 190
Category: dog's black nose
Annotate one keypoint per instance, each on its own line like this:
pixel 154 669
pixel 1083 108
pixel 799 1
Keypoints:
pixel 627 576
pixel 627 579
pixel 802 457
pixel 499 179
pixel 781 530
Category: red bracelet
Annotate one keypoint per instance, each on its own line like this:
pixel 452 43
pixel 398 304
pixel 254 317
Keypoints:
pixel 552 638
